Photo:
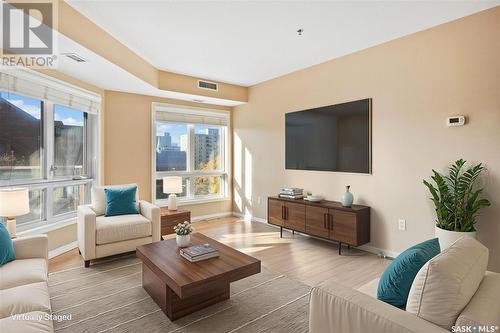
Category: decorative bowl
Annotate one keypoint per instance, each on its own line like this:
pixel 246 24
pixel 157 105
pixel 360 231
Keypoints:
pixel 315 198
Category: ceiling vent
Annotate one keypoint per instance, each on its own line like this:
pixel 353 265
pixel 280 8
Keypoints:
pixel 74 56
pixel 207 85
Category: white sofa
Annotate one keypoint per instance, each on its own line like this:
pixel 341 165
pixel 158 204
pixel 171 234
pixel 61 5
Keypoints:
pixel 100 236
pixel 24 293
pixel 449 279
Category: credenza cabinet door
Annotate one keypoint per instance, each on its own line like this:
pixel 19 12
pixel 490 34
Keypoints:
pixel 344 227
pixel 276 212
pixel 317 221
pixel 295 216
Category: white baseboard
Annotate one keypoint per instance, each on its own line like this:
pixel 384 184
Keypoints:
pixel 249 217
pixel 366 247
pixel 210 216
pixel 378 251
pixel 61 249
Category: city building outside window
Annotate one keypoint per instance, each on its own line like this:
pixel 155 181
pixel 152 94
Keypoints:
pixel 190 143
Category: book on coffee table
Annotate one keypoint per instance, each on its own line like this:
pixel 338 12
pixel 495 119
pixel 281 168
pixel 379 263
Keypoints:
pixel 199 252
pixel 200 258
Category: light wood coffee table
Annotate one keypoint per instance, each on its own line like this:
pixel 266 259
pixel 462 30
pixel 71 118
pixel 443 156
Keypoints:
pixel 181 287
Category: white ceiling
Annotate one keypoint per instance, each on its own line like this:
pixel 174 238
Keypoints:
pixel 247 42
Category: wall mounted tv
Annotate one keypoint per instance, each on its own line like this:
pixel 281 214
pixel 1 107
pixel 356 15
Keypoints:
pixel 330 138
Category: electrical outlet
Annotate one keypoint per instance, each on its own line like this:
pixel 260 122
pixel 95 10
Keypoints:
pixel 402 224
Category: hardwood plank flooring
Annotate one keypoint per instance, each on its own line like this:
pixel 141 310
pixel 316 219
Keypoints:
pixel 306 259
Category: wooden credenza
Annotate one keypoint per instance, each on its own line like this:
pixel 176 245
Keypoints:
pixel 325 219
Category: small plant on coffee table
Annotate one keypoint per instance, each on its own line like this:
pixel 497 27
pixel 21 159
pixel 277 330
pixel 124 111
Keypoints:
pixel 183 229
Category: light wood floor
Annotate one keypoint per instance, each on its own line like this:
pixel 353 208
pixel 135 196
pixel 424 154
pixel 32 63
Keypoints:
pixel 300 257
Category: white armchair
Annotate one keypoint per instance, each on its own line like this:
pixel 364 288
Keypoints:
pixel 101 236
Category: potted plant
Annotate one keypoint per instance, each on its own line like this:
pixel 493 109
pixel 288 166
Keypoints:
pixel 457 201
pixel 183 232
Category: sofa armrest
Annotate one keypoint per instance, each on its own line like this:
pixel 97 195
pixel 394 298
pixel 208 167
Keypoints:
pixel 337 308
pixel 30 247
pixel 86 218
pixel 484 307
pixel 152 213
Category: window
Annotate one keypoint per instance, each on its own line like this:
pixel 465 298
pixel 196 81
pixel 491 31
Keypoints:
pixel 48 147
pixel 190 143
pixel 20 145
pixel 69 137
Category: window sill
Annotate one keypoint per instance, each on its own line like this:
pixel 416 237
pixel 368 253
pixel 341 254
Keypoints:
pixel 163 203
pixel 44 227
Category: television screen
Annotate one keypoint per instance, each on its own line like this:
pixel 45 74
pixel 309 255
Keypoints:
pixel 330 138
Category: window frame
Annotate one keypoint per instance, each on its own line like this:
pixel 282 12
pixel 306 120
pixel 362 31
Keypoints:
pixel 191 173
pixel 48 182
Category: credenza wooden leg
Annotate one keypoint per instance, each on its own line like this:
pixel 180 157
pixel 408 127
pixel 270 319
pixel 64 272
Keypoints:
pixel 340 248
pixel 281 232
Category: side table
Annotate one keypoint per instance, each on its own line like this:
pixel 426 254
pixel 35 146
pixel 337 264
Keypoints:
pixel 170 218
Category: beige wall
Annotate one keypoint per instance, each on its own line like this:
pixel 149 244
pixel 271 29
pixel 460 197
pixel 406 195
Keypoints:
pixel 62 236
pixel 415 82
pixel 127 145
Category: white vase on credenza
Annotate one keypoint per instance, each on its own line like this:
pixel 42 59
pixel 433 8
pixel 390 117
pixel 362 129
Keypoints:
pixel 447 237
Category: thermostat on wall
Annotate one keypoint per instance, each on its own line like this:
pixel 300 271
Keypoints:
pixel 455 121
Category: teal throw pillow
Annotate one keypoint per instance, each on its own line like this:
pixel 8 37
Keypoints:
pixel 396 281
pixel 121 201
pixel 6 247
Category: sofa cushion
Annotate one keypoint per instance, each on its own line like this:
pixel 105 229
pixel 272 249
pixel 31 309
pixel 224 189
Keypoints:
pixel 31 322
pixel 484 307
pixel 121 201
pixel 23 271
pixel 395 282
pixel 370 288
pixel 99 197
pixel 447 282
pixel 27 298
pixel 6 248
pixel 110 229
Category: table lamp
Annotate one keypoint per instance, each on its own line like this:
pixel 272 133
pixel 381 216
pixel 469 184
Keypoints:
pixel 13 202
pixel 171 186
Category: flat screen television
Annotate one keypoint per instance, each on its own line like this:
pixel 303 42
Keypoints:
pixel 330 138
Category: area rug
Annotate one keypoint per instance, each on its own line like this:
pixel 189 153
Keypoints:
pixel 108 297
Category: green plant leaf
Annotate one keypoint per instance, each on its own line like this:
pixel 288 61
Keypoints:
pixel 456 201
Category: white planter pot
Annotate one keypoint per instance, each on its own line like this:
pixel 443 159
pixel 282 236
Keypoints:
pixel 446 237
pixel 183 240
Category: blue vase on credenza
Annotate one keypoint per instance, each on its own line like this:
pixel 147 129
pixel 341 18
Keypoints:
pixel 347 198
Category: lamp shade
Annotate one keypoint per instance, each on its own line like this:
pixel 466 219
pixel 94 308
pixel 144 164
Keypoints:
pixel 14 202
pixel 172 184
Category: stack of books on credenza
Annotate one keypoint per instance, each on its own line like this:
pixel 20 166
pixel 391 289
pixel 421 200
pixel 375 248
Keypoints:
pixel 292 193
pixel 199 252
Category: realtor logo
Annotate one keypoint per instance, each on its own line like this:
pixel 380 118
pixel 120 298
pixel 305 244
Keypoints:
pixel 28 34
